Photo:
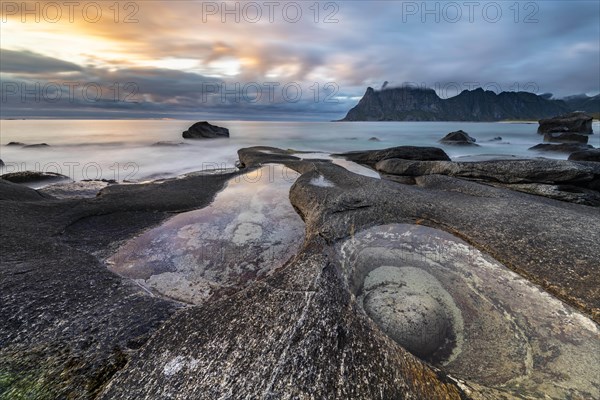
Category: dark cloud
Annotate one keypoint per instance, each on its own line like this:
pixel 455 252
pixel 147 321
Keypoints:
pixel 27 62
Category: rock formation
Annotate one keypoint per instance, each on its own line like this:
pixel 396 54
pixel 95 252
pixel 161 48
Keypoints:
pixel 575 122
pixel 452 252
pixel 459 138
pixel 205 130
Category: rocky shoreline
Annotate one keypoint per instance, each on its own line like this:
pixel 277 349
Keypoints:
pixel 76 330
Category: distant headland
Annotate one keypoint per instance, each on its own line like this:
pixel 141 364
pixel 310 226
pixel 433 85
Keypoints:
pixel 422 104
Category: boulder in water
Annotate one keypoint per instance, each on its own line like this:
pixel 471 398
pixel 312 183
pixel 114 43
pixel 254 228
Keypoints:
pixel 578 122
pixel 205 130
pixel 460 138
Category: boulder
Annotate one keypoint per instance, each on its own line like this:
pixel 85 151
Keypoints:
pixel 15 144
pixel 562 147
pixel 372 157
pixel 578 122
pixel 205 130
pixel 374 139
pixel 1 163
pixel 586 155
pixel 460 138
pixel 565 137
pixel 33 177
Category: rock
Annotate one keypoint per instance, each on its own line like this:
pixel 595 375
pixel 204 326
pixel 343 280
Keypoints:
pixel 569 193
pixel 460 138
pixel 374 139
pixel 169 144
pixel 205 130
pixel 578 122
pixel 561 148
pixel 371 157
pixel 36 146
pixel 1 163
pixel 396 299
pixel 78 323
pixel 255 156
pixel 586 155
pixel 470 208
pixel 88 188
pixel 496 139
pixel 484 330
pixel 565 137
pixel 506 171
pixel 16 192
pixel 15 144
pixel 29 177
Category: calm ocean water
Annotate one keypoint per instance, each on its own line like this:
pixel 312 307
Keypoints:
pixel 122 149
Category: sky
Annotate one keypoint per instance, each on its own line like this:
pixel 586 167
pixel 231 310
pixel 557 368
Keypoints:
pixel 280 60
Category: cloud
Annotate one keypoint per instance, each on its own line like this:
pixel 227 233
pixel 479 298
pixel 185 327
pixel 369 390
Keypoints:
pixel 554 50
pixel 28 62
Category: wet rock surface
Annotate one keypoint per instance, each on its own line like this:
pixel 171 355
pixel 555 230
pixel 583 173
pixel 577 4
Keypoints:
pixel 301 330
pixel 68 324
pixel 75 190
pixel 469 315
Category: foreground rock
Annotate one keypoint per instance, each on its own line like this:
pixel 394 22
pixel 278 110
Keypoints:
pixel 575 122
pixel 372 157
pixel 33 177
pixel 458 138
pixel 205 130
pixel 315 327
pixel 68 324
pixel 561 180
pixel 586 155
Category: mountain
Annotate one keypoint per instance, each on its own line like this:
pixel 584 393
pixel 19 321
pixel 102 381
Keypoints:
pixel 414 104
pixel 582 102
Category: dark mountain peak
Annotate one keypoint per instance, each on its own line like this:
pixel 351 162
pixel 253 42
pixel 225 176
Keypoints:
pixel 409 103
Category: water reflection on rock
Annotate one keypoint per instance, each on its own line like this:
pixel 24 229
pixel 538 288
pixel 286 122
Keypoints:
pixel 249 230
pixel 471 316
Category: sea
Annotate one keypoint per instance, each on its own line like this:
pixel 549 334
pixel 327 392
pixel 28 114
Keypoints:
pixel 125 150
